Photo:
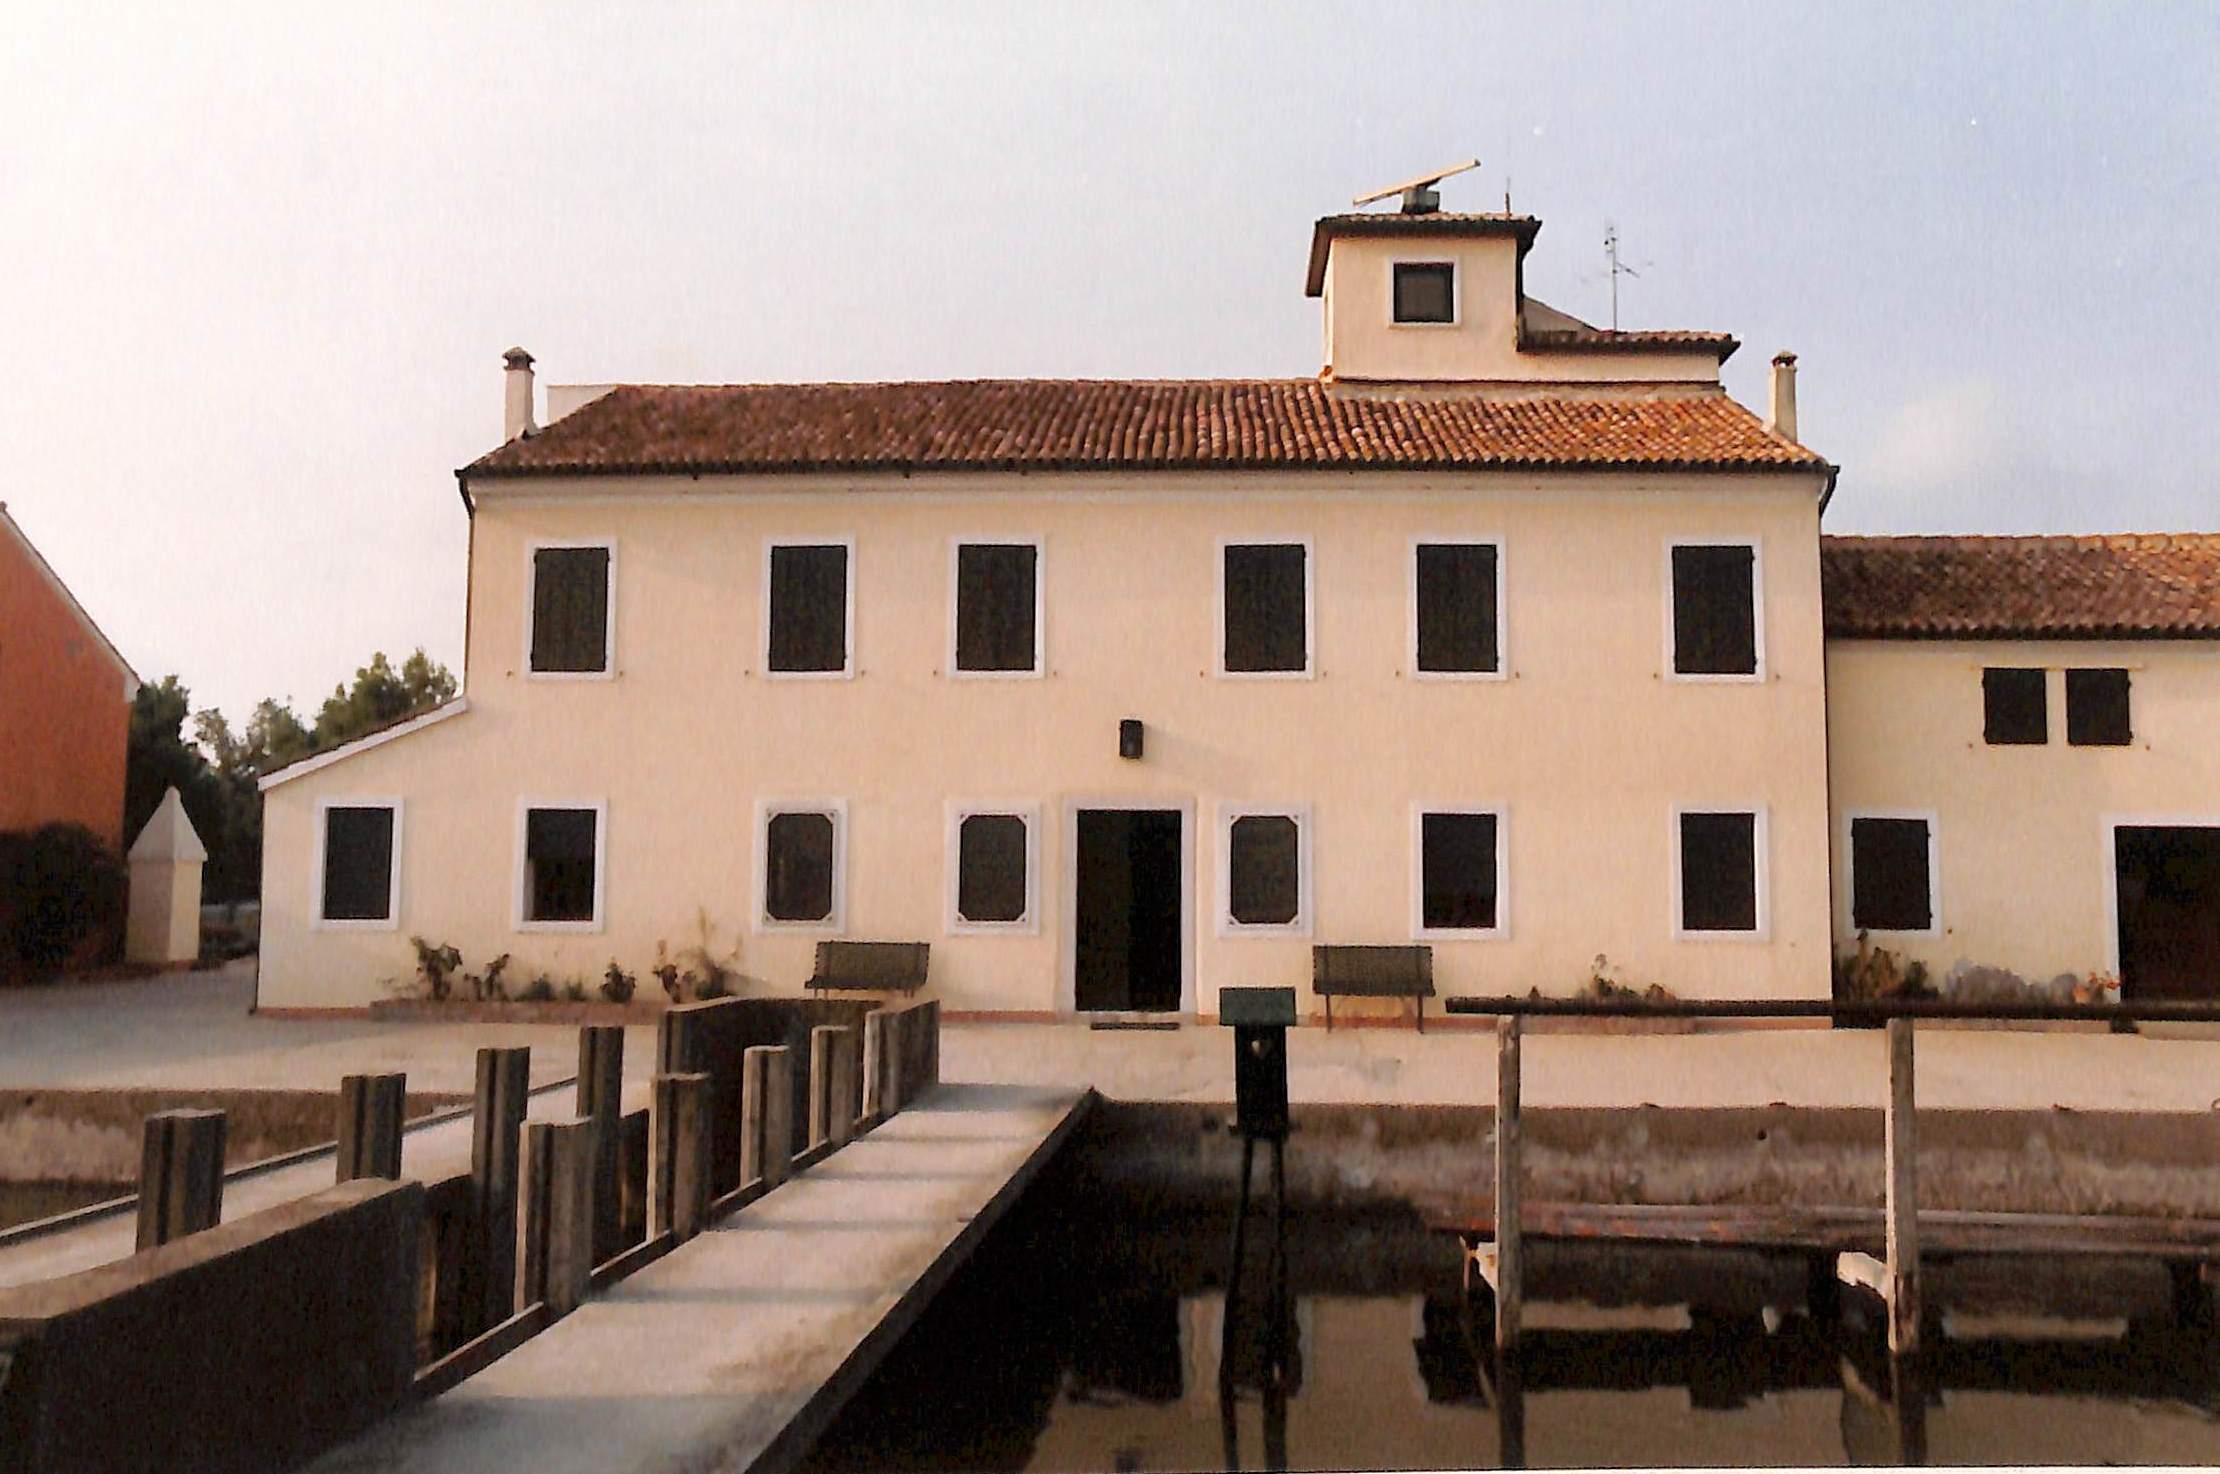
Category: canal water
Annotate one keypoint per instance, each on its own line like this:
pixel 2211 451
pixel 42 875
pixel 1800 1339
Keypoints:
pixel 1090 1333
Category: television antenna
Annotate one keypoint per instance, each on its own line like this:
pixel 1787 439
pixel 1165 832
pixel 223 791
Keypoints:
pixel 1617 267
pixel 1419 195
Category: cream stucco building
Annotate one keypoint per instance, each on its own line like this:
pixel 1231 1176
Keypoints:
pixel 1505 634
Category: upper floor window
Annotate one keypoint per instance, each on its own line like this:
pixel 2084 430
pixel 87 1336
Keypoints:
pixel 1264 606
pixel 2015 706
pixel 573 631
pixel 998 608
pixel 560 867
pixel 359 883
pixel 808 607
pixel 1715 629
pixel 1425 292
pixel 2097 708
pixel 1457 608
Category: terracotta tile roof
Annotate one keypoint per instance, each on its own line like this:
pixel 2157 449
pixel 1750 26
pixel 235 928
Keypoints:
pixel 1123 425
pixel 1605 340
pixel 2130 586
pixel 1521 228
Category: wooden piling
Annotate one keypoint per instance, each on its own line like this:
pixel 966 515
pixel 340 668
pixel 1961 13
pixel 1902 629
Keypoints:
pixel 1509 1260
pixel 766 1114
pixel 555 1237
pixel 601 1100
pixel 1901 1149
pixel 181 1175
pixel 679 1202
pixel 832 1085
pixel 490 1268
pixel 876 1106
pixel 371 1108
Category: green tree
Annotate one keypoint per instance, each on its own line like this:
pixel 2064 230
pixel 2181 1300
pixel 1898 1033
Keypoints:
pixel 158 759
pixel 382 696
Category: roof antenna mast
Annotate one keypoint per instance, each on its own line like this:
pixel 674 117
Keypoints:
pixel 1618 268
pixel 1419 195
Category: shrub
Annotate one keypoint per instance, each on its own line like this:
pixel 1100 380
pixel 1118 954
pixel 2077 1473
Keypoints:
pixel 487 986
pixel 617 985
pixel 574 991
pixel 60 887
pixel 436 968
pixel 540 990
pixel 667 973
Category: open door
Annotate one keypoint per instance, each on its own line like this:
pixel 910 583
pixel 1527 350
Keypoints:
pixel 1127 923
pixel 2168 879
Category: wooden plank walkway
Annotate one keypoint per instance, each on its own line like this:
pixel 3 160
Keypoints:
pixel 735 1350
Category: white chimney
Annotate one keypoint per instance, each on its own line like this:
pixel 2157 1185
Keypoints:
pixel 1782 420
pixel 516 403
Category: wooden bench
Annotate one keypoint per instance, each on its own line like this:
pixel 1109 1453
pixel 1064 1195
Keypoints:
pixel 870 967
pixel 1373 972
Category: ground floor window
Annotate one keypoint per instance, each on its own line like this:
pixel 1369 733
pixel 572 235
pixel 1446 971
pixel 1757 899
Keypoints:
pixel 993 870
pixel 1460 872
pixel 2167 908
pixel 561 880
pixel 1892 873
pixel 1264 871
pixel 801 863
pixel 359 882
pixel 1720 883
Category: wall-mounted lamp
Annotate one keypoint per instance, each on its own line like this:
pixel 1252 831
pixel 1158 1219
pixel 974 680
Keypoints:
pixel 1129 738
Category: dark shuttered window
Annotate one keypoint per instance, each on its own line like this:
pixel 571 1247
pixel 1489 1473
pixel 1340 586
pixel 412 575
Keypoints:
pixel 2015 709
pixel 990 868
pixel 358 863
pixel 995 588
pixel 1457 874
pixel 559 846
pixel 798 857
pixel 809 608
pixel 1456 608
pixel 1425 291
pixel 570 609
pixel 2097 708
pixel 1890 887
pixel 1264 881
pixel 1267 626
pixel 1718 872
pixel 1715 610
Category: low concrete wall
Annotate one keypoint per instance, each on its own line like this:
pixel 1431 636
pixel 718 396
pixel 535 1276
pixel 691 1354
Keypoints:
pixel 95 1135
pixel 251 1346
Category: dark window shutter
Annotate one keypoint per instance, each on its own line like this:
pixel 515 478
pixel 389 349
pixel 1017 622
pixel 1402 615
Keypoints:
pixel 798 867
pixel 559 864
pixel 1456 607
pixel 358 864
pixel 1715 610
pixel 809 608
pixel 570 609
pixel 2097 708
pixel 990 868
pixel 2015 706
pixel 1425 291
pixel 1457 871
pixel 1265 620
pixel 1718 872
pixel 1889 881
pixel 1264 870
pixel 995 585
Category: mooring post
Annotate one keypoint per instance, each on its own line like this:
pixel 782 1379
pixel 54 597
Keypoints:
pixel 875 1104
pixel 601 1099
pixel 556 1248
pixel 497 1121
pixel 832 1085
pixel 181 1175
pixel 1509 1294
pixel 370 1112
pixel 1901 1149
pixel 679 1200
pixel 766 1114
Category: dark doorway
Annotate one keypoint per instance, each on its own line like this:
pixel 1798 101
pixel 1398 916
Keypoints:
pixel 2169 900
pixel 1127 923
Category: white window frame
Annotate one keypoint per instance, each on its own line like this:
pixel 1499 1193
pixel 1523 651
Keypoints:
pixel 1456 291
pixel 847 671
pixel 1757 611
pixel 957 925
pixel 1310 611
pixel 1502 671
pixel 1761 859
pixel 318 921
pixel 1039 545
pixel 1301 925
pixel 1501 931
pixel 532 550
pixel 1933 820
pixel 521 900
pixel 767 809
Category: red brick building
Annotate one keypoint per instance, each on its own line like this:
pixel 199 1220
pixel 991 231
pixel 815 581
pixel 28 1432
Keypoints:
pixel 65 701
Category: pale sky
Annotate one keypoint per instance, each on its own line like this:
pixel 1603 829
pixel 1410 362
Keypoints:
pixel 258 265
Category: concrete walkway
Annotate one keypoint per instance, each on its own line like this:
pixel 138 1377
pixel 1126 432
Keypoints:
pixel 735 1351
